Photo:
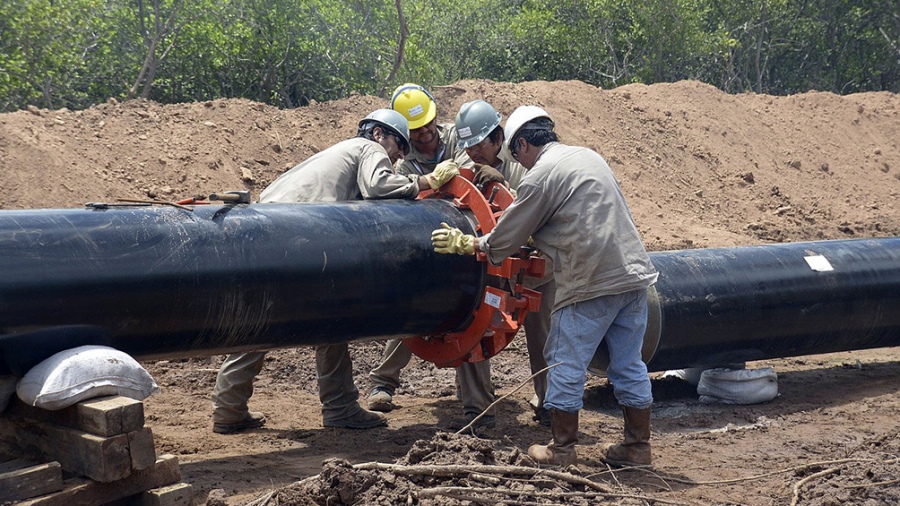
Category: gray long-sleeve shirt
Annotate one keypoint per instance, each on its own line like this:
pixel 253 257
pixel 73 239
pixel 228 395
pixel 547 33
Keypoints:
pixel 573 208
pixel 416 163
pixel 353 169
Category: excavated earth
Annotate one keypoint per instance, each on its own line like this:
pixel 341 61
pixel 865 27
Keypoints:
pixel 700 169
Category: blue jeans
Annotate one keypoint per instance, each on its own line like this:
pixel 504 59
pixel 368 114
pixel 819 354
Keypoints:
pixel 576 331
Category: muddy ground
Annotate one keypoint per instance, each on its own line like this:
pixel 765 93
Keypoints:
pixel 700 169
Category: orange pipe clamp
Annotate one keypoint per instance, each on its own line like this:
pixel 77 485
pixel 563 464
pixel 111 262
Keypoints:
pixel 497 318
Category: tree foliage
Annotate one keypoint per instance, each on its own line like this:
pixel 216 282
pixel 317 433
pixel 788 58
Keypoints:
pixel 287 52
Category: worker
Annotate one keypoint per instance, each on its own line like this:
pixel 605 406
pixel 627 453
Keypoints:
pixel 570 204
pixel 432 144
pixel 480 134
pixel 354 169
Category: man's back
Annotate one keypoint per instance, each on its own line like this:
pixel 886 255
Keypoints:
pixel 353 169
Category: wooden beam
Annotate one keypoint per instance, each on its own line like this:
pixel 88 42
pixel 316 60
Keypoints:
pixel 179 494
pixel 22 479
pixel 101 416
pixel 81 491
pixel 103 459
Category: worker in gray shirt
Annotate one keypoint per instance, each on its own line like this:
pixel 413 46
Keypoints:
pixel 431 145
pixel 480 134
pixel 570 204
pixel 354 169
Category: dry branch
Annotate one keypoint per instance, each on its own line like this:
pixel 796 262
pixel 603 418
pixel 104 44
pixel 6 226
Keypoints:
pixel 456 491
pixel 514 390
pixel 463 470
pixel 811 477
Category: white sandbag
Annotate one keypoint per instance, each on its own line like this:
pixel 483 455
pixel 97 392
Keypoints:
pixel 82 373
pixel 738 386
pixel 691 374
pixel 7 390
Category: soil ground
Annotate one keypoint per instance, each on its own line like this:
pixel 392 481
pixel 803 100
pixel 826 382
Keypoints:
pixel 700 169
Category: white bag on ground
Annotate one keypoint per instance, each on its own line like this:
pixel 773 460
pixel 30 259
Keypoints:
pixel 82 373
pixel 738 386
pixel 691 374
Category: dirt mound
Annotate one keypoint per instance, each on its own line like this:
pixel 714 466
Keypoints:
pixel 700 168
pixel 445 470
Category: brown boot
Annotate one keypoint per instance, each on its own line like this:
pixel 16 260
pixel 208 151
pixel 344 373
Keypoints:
pixel 560 451
pixel 635 450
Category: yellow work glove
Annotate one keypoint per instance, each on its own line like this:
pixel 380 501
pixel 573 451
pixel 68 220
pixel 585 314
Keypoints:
pixel 451 240
pixel 442 173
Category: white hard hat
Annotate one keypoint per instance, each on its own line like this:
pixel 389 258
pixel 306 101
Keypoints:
pixel 522 115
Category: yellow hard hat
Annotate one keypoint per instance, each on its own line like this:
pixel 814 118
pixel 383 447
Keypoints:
pixel 415 104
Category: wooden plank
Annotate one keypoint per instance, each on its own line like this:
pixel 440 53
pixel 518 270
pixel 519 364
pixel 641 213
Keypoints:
pixel 79 491
pixel 141 448
pixel 179 494
pixel 101 416
pixel 99 458
pixel 29 480
pixel 13 464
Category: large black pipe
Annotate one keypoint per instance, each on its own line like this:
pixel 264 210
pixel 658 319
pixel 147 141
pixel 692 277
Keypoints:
pixel 719 306
pixel 166 282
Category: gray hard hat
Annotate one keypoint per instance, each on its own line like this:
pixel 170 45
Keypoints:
pixel 475 121
pixel 393 121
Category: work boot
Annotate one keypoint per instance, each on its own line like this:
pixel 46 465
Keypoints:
pixel 561 450
pixel 485 422
pixel 635 450
pixel 381 399
pixel 542 417
pixel 251 420
pixel 362 419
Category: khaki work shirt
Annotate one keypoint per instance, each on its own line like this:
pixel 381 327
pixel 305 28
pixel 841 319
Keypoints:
pixel 573 208
pixel 416 163
pixel 512 171
pixel 353 169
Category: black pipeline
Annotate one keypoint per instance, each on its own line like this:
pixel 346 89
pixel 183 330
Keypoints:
pixel 168 282
pixel 720 306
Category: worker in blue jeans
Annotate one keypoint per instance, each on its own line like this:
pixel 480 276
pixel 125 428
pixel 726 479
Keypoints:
pixel 571 206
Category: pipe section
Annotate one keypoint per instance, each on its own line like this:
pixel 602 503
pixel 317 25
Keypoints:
pixel 719 306
pixel 165 282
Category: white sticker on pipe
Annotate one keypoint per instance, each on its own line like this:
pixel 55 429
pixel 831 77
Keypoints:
pixel 492 299
pixel 818 263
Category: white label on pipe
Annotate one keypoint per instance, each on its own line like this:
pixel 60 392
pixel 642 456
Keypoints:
pixel 819 263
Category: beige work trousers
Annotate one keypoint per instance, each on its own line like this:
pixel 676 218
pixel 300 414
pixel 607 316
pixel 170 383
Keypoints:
pixel 234 386
pixel 473 380
pixel 537 328
pixel 337 392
